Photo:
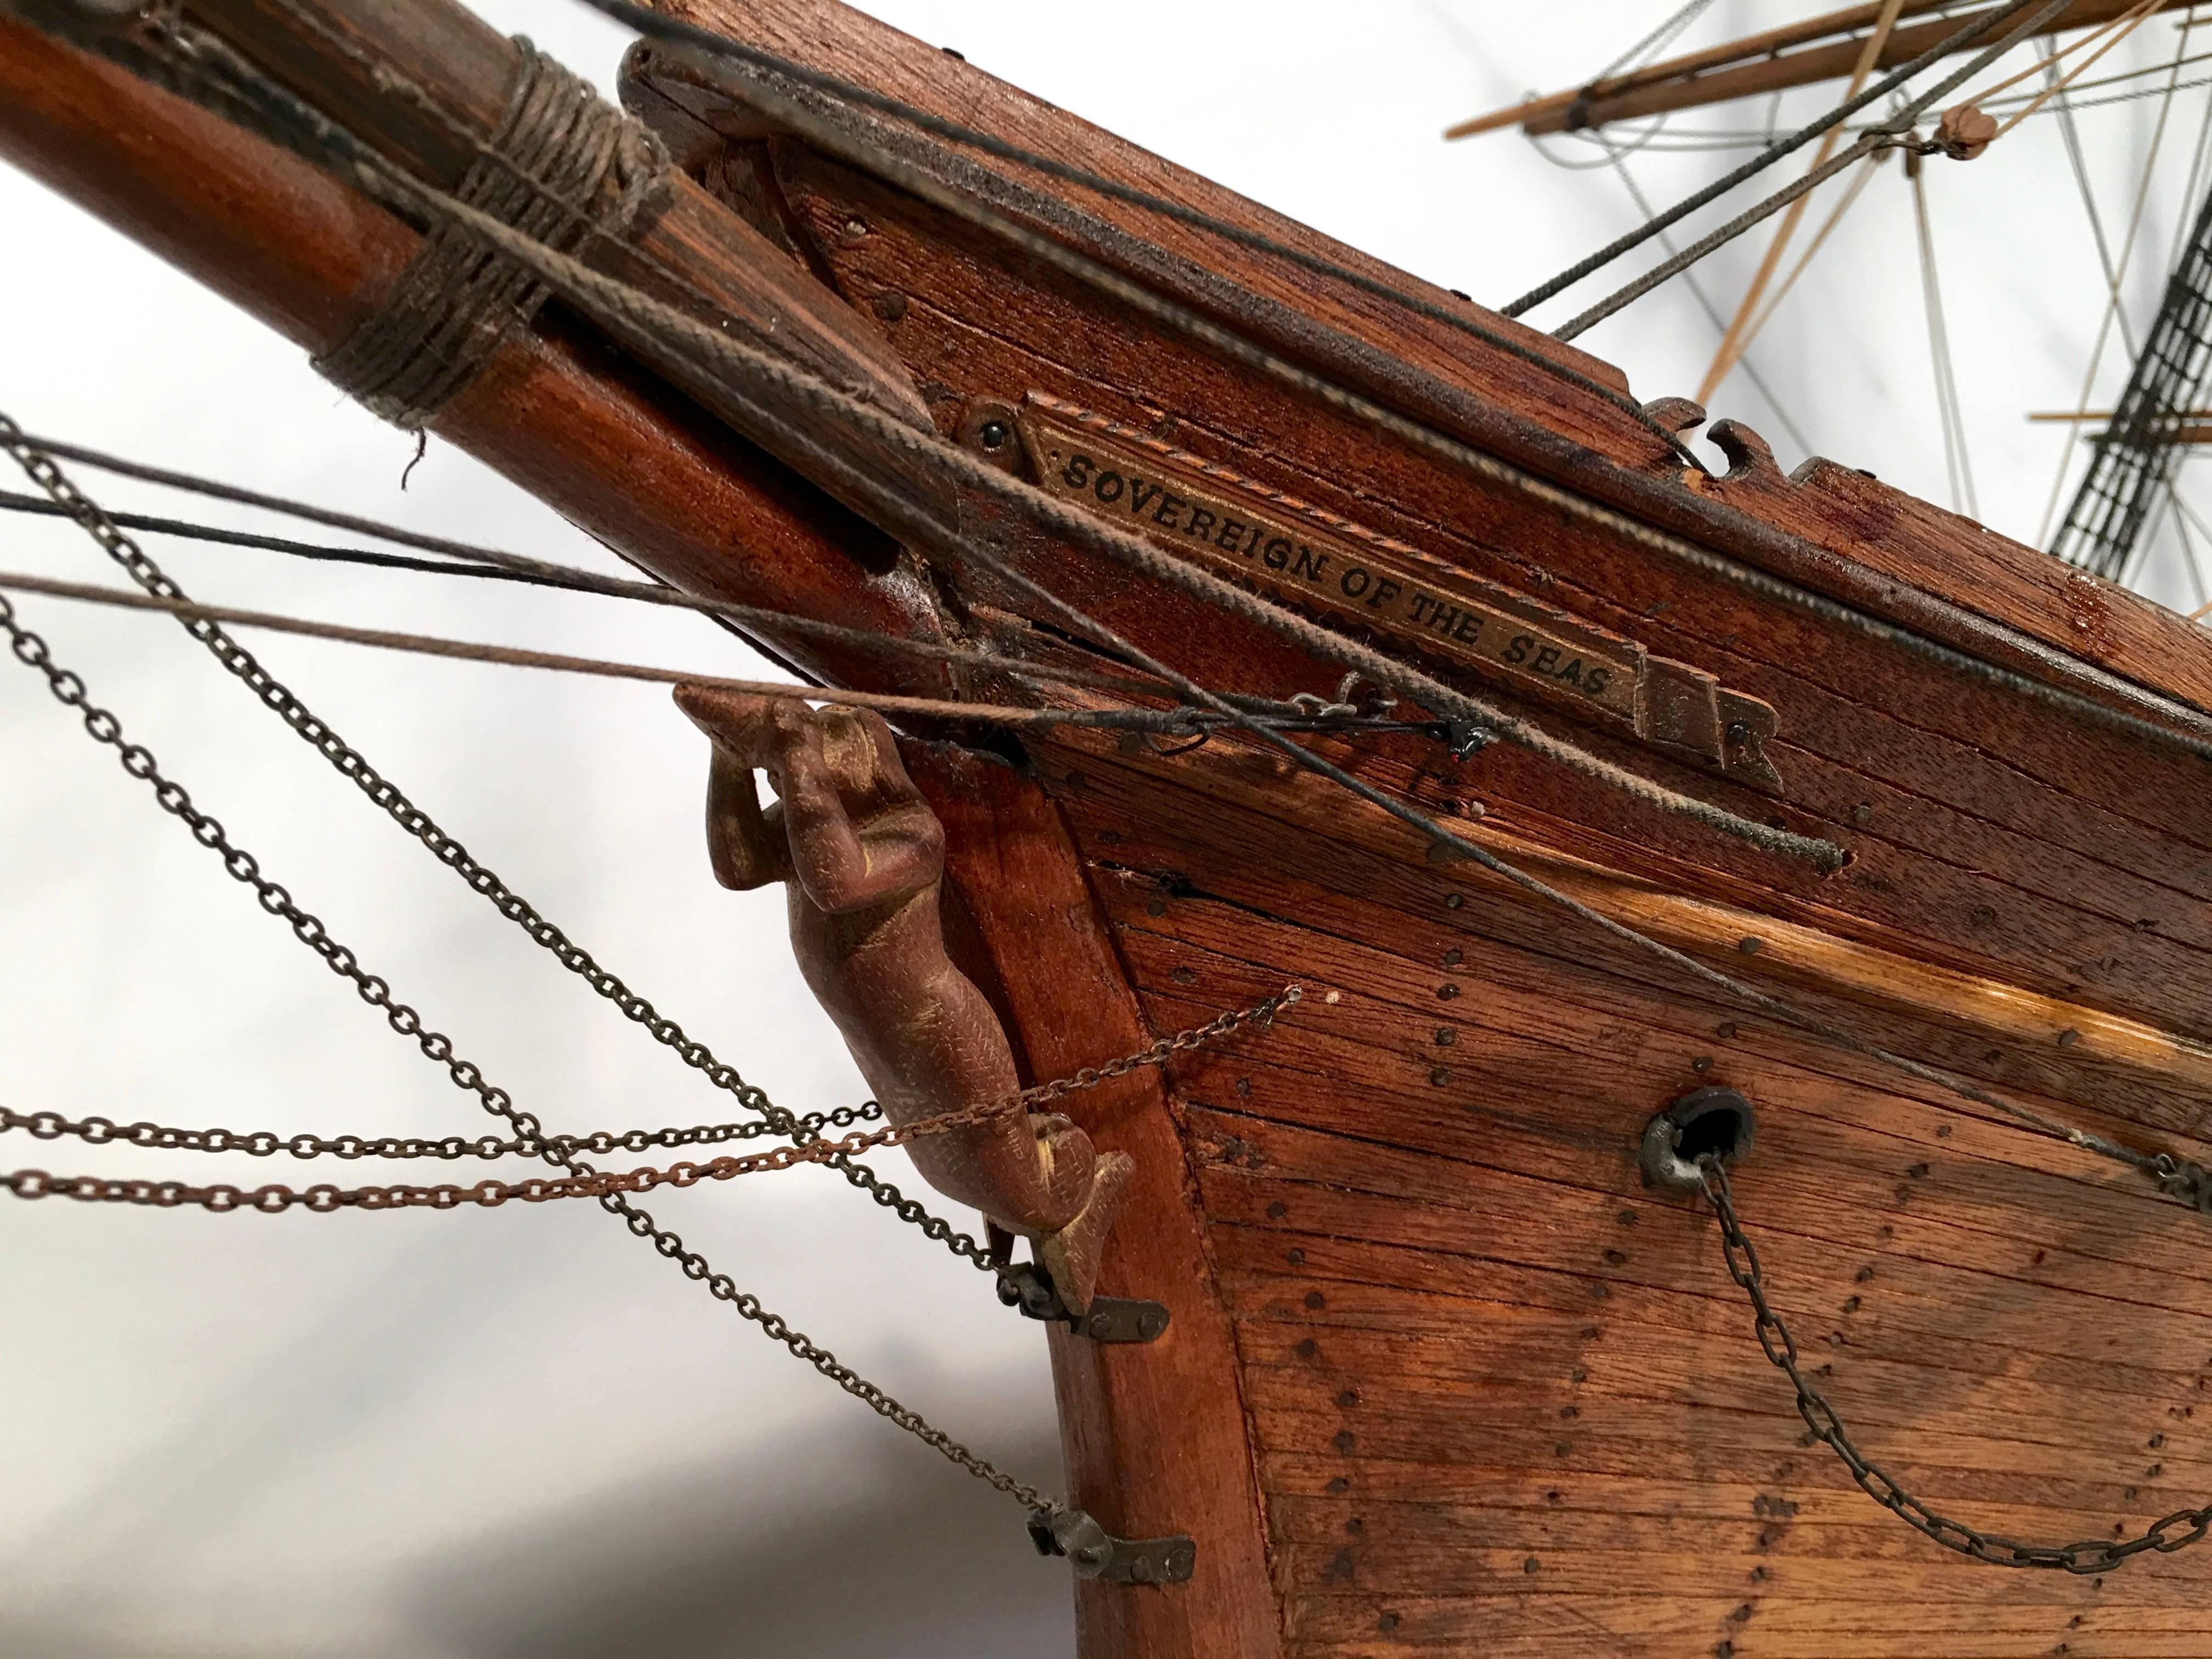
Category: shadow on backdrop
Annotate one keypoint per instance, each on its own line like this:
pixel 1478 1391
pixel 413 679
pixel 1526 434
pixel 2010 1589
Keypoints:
pixel 838 1548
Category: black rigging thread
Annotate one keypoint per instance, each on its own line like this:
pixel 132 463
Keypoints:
pixel 1891 134
pixel 517 567
pixel 105 729
pixel 1775 152
pixel 352 765
pixel 2133 460
pixel 2085 1555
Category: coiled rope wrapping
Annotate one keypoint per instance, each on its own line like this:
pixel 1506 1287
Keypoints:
pixel 459 298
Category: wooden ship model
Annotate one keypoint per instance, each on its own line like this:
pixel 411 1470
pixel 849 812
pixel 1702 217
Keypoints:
pixel 1691 804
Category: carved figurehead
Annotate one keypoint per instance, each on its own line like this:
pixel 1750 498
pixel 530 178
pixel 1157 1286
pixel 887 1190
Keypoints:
pixel 863 858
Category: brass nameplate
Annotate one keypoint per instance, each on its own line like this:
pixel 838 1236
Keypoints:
pixel 1346 575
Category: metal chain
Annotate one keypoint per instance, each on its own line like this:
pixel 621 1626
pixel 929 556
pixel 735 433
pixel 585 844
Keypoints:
pixel 69 690
pixel 89 515
pixel 2088 1555
pixel 264 1143
pixel 275 1198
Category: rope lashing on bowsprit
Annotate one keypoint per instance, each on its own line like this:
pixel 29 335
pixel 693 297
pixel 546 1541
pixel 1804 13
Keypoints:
pixel 2084 1556
pixel 558 143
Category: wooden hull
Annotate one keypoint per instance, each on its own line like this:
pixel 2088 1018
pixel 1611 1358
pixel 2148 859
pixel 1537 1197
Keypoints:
pixel 1443 1375
pixel 1495 1395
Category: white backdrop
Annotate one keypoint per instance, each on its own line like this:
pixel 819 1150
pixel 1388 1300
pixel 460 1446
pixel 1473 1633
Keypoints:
pixel 516 1433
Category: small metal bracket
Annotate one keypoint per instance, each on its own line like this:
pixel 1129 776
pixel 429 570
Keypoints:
pixel 1096 1554
pixel 1107 1319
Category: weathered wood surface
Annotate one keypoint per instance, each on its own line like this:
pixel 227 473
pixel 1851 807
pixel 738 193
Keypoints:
pixel 1437 1302
pixel 1973 819
pixel 1500 403
pixel 1155 1436
pixel 1881 525
pixel 1504 1399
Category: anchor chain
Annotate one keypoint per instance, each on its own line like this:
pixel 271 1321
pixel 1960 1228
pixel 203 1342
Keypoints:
pixel 2085 1555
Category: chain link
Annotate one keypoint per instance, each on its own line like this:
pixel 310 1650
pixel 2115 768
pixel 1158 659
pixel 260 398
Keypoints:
pixel 275 1198
pixel 2088 1555
pixel 69 689
pixel 138 762
pixel 264 1143
pixel 47 474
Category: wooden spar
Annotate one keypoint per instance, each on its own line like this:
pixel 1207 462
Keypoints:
pixel 619 455
pixel 1801 54
pixel 2182 426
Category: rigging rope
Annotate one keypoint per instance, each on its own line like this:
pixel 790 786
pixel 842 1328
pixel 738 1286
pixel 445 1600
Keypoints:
pixel 2120 28
pixel 285 117
pixel 1178 722
pixel 1939 352
pixel 574 579
pixel 446 315
pixel 1653 43
pixel 1967 36
pixel 1850 193
pixel 1618 159
pixel 493 564
pixel 1887 136
pixel 2064 107
pixel 1738 336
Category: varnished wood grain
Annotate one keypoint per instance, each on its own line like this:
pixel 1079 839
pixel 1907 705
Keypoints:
pixel 1155 1434
pixel 1916 772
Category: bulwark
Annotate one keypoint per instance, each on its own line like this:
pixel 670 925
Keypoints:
pixel 1349 575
